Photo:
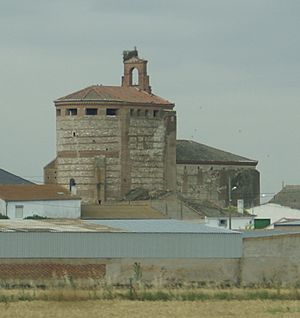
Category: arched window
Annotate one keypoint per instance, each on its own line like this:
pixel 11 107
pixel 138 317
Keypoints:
pixel 134 77
pixel 72 183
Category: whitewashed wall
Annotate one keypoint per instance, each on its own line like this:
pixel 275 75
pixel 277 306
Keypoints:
pixel 51 209
pixel 237 223
pixel 2 207
pixel 275 212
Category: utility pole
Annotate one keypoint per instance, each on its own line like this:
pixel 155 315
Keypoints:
pixel 229 200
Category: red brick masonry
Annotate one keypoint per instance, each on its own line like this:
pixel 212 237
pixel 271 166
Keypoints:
pixel 51 270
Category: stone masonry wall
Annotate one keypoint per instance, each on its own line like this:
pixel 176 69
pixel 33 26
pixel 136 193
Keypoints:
pixel 210 182
pixel 146 151
pixel 107 156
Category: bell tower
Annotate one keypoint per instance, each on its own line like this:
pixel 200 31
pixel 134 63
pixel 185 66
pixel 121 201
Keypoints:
pixel 135 71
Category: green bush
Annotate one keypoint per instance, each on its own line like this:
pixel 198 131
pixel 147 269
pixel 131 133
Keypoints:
pixel 35 217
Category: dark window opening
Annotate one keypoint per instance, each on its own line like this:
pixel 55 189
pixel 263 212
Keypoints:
pixel 91 111
pixel 72 183
pixel 58 112
pixel 131 112
pixel 223 222
pixel 146 113
pixel 111 112
pixel 71 111
pixel 155 113
pixel 138 112
pixel 74 134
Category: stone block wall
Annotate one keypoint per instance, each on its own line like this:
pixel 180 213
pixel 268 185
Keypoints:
pixel 211 182
pixel 136 148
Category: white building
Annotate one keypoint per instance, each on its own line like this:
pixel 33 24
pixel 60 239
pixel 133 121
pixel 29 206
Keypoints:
pixel 274 212
pixel 52 201
pixel 237 222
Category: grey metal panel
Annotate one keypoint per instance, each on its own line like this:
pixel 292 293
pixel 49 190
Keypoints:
pixel 160 226
pixel 119 245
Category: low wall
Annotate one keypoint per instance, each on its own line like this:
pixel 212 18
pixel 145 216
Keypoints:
pixel 201 271
pixel 273 260
pixel 120 271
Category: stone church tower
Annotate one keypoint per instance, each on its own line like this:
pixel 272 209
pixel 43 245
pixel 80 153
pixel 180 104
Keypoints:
pixel 112 139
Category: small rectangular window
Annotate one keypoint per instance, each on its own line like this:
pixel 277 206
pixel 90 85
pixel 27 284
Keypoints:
pixel 58 112
pixel 223 222
pixel 131 112
pixel 146 113
pixel 155 113
pixel 91 111
pixel 138 112
pixel 71 111
pixel 111 112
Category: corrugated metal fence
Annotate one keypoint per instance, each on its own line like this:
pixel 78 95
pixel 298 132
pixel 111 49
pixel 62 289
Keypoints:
pixel 119 245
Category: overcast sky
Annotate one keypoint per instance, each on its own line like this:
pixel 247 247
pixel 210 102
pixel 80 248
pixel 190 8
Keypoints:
pixel 230 66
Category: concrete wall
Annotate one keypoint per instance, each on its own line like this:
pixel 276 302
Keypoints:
pixel 171 271
pixel 52 209
pixel 211 182
pixel 273 259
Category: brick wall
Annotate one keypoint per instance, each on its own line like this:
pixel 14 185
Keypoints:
pixel 48 270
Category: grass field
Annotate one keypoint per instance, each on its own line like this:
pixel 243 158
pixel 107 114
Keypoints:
pixel 173 309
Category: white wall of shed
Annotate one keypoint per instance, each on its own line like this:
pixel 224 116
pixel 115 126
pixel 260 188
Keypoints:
pixel 237 223
pixel 52 208
pixel 2 207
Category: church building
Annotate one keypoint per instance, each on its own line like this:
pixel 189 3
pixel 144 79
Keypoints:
pixel 114 139
pixel 111 139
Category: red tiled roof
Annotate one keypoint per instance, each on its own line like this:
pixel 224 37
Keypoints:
pixel 34 192
pixel 114 93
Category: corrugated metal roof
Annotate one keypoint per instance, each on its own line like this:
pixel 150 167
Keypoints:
pixel 160 226
pixel 119 245
pixel 51 225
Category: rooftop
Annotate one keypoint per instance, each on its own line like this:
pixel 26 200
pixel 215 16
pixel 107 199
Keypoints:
pixel 268 233
pixel 51 225
pixel 188 151
pixel 10 178
pixel 34 192
pixel 289 196
pixel 160 226
pixel 99 93
pixel 108 226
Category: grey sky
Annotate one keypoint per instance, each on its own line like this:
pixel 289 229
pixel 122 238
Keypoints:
pixel 230 66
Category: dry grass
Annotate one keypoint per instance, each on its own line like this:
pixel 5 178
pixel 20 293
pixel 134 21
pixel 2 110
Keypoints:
pixel 133 309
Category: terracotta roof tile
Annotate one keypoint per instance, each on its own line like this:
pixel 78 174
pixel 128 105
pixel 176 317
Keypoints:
pixel 115 93
pixel 34 192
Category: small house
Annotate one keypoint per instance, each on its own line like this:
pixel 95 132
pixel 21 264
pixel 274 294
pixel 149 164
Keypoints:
pixel 26 200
